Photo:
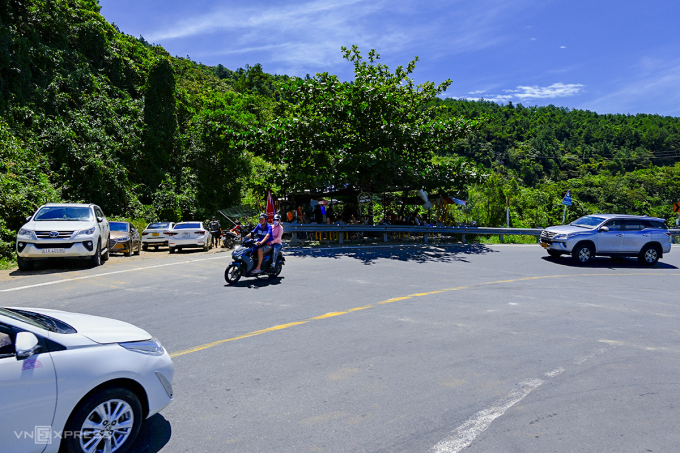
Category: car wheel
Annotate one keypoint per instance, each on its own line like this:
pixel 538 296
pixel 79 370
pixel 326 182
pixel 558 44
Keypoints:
pixel 96 259
pixel 554 253
pixel 232 274
pixel 107 421
pixel 155 248
pixel 146 247
pixel 583 253
pixel 128 249
pixel 649 255
pixel 172 249
pixel 139 249
pixel 25 265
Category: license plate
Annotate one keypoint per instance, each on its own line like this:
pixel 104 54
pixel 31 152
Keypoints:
pixel 154 234
pixel 54 250
pixel 185 235
pixel 544 245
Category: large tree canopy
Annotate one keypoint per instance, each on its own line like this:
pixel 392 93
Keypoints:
pixel 379 132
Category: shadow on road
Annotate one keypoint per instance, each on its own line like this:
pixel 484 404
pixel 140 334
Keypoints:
pixel 56 266
pixel 259 282
pixel 607 263
pixel 424 254
pixel 153 436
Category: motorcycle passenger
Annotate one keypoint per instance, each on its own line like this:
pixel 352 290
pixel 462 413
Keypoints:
pixel 277 232
pixel 263 231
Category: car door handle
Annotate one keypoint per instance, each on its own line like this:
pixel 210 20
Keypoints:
pixel 619 235
pixel 646 235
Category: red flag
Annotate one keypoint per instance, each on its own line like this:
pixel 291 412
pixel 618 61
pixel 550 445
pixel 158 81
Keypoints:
pixel 270 207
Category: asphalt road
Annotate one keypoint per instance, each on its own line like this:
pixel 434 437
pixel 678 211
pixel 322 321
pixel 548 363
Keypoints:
pixel 413 349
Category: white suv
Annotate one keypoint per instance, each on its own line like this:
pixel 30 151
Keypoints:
pixel 64 230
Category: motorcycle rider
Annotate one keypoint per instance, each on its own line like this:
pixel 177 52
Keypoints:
pixel 264 232
pixel 277 232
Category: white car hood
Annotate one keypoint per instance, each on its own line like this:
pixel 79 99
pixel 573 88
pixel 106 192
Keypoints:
pixel 59 225
pixel 566 229
pixel 96 328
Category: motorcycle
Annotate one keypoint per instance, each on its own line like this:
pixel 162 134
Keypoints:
pixel 230 240
pixel 244 257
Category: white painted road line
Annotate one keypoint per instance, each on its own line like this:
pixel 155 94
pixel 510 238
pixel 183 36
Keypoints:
pixel 463 436
pixel 110 273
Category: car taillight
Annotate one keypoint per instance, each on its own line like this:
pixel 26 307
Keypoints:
pixel 170 233
pixel 144 234
pixel 668 234
pixel 200 232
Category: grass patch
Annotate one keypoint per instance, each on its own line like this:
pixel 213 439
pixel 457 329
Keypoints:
pixel 508 239
pixel 7 264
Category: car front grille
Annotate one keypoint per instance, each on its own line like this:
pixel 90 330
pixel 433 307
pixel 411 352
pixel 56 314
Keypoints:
pixel 60 234
pixel 545 234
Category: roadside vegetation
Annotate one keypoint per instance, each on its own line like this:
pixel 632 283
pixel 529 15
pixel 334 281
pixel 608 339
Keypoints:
pixel 88 113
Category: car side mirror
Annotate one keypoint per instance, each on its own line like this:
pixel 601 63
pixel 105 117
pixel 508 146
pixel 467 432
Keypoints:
pixel 28 219
pixel 604 228
pixel 100 219
pixel 25 345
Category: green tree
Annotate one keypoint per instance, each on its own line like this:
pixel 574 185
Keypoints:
pixel 377 132
pixel 160 125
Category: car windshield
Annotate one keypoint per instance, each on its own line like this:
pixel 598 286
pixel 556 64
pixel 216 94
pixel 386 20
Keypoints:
pixel 118 226
pixel 64 213
pixel 587 221
pixel 38 320
pixel 184 226
pixel 158 226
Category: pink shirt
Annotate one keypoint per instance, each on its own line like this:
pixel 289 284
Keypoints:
pixel 277 232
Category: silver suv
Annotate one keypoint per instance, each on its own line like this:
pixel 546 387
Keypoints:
pixel 64 230
pixel 609 235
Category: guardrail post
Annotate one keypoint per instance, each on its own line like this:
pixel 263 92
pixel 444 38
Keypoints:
pixel 502 239
pixel 341 235
pixel 425 238
pixel 293 240
pixel 384 237
pixel 463 237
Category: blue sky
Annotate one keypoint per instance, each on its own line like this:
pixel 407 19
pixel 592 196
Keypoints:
pixel 606 56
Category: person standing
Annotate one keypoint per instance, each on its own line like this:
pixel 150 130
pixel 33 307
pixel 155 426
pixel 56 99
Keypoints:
pixel 277 232
pixel 215 231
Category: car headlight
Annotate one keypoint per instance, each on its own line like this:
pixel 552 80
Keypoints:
pixel 88 232
pixel 150 347
pixel 26 234
pixel 565 236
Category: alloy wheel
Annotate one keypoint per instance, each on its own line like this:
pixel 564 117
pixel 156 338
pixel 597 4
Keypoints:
pixel 107 427
pixel 651 256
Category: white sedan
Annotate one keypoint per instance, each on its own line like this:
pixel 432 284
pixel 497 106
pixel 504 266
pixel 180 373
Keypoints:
pixel 188 235
pixel 154 234
pixel 77 382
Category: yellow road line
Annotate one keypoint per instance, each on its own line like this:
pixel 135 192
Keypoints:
pixel 388 301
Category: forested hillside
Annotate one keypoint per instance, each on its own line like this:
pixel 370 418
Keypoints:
pixel 88 113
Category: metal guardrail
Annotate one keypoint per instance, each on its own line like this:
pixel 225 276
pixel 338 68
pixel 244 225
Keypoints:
pixel 349 231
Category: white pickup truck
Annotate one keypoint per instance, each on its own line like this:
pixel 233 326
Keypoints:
pixel 64 230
